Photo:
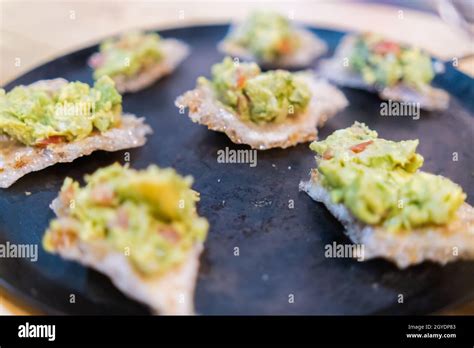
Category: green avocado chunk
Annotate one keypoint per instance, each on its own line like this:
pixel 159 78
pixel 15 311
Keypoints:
pixel 128 54
pixel 150 213
pixel 379 180
pixel 267 35
pixel 386 63
pixel 259 97
pixel 34 115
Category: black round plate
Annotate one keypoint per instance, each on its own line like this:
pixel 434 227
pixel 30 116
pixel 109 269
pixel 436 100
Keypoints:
pixel 281 249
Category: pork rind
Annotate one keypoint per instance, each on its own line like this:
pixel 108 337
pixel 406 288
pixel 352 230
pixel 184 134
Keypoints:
pixel 205 109
pixel 440 244
pixel 17 159
pixel 171 293
pixel 175 51
pixel 338 71
pixel 311 47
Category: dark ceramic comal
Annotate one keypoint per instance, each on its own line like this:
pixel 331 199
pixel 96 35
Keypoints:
pixel 281 250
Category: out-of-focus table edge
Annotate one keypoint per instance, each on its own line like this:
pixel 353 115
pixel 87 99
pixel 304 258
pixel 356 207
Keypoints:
pixel 350 17
pixel 465 63
pixel 10 305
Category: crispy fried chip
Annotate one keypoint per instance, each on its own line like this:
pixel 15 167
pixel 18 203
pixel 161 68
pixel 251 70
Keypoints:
pixel 310 48
pixel 170 294
pixel 175 52
pixel 326 101
pixel 335 70
pixel 17 160
pixel 441 244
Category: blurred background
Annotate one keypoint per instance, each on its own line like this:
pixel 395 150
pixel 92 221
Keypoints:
pixel 33 32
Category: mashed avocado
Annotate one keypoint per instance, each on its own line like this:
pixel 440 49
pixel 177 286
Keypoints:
pixel 387 63
pixel 36 116
pixel 267 35
pixel 128 54
pixel 379 182
pixel 259 97
pixel 150 215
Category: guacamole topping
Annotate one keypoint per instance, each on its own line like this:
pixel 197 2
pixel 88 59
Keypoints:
pixel 128 54
pixel 36 116
pixel 379 180
pixel 259 97
pixel 267 35
pixel 149 215
pixel 386 63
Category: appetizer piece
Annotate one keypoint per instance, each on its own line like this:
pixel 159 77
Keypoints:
pixel 136 60
pixel 375 189
pixel 271 39
pixel 140 228
pixel 396 72
pixel 54 121
pixel 264 110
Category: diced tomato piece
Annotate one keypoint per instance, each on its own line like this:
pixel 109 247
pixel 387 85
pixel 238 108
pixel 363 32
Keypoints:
pixel 241 81
pixel 96 60
pixel 284 46
pixel 170 235
pixel 361 147
pixel 55 139
pixel 122 218
pixel 67 195
pixel 327 155
pixel 103 194
pixel 386 47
